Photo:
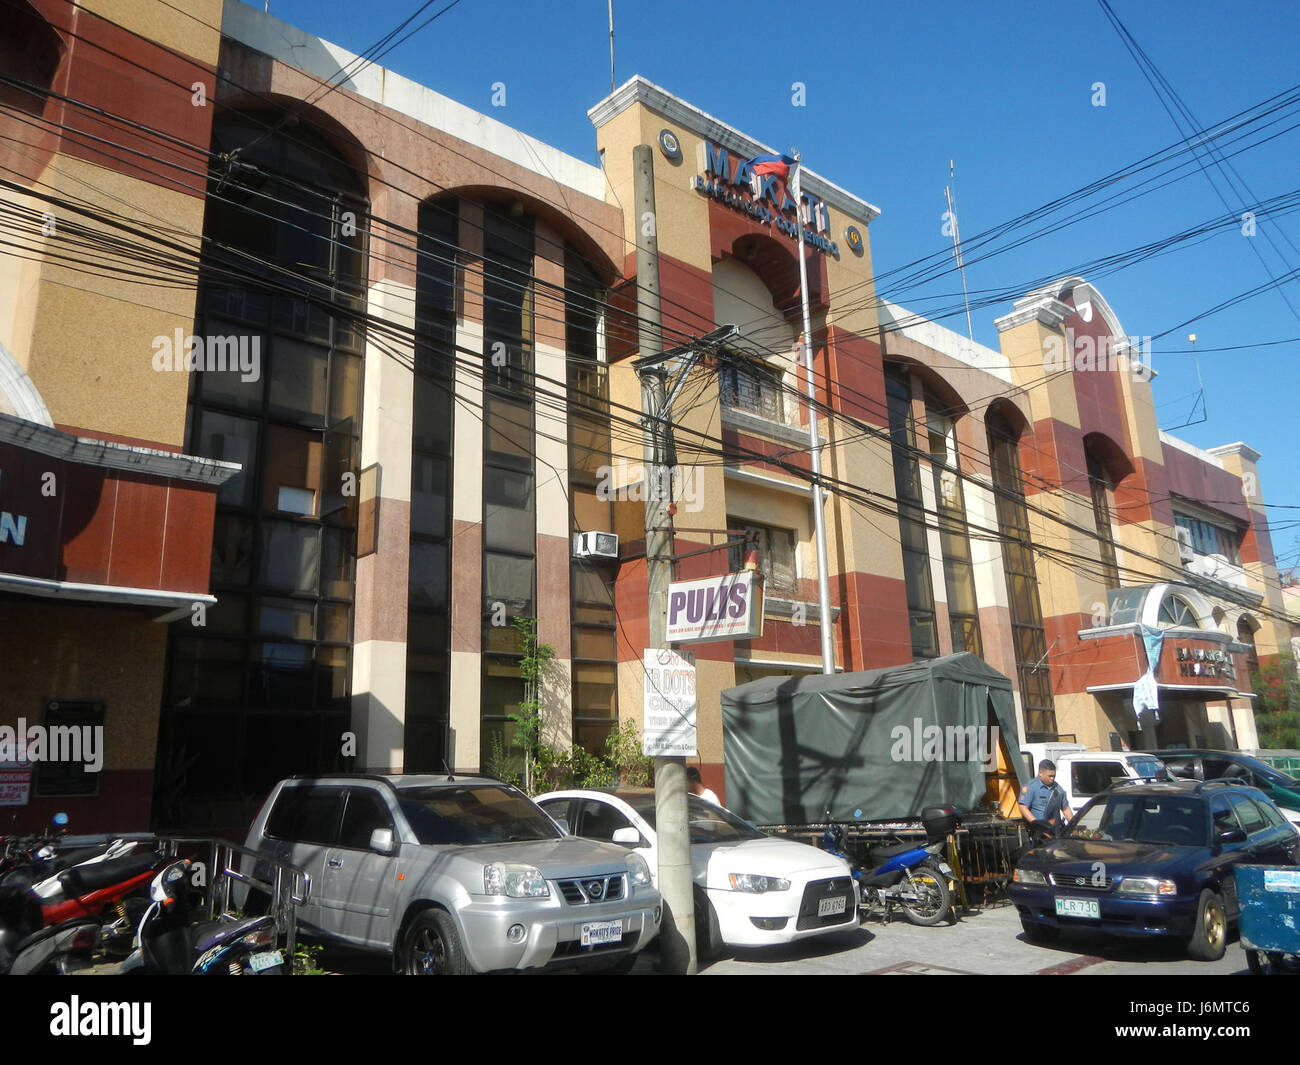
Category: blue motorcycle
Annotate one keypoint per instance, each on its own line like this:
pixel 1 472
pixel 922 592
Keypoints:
pixel 911 876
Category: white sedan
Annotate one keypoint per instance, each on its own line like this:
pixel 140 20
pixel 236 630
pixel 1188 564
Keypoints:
pixel 751 889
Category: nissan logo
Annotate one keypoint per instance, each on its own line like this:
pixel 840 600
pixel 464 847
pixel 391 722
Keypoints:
pixel 595 889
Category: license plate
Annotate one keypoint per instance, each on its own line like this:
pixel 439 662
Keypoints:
pixel 946 869
pixel 1078 908
pixel 602 932
pixel 830 907
pixel 266 960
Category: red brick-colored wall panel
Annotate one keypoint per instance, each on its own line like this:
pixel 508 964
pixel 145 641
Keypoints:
pixel 187 539
pixel 1196 479
pixel 115 71
pixel 466 586
pixel 135 559
pixel 874 625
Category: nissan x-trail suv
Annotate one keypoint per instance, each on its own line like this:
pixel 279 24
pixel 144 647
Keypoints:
pixel 455 875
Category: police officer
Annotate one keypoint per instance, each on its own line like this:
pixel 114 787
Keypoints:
pixel 1042 799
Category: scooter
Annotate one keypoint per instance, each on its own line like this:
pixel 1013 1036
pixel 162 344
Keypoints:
pixel 61 949
pixel 168 942
pixel 915 878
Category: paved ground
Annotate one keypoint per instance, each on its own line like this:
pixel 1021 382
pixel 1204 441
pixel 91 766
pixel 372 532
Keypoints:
pixel 986 941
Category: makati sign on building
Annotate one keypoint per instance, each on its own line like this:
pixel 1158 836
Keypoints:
pixel 729 607
pixel 732 179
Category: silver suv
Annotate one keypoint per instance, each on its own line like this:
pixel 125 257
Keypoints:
pixel 455 875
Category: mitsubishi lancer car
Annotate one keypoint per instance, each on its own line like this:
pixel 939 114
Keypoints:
pixel 751 889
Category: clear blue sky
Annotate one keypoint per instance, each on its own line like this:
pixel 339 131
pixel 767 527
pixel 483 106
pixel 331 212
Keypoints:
pixel 893 91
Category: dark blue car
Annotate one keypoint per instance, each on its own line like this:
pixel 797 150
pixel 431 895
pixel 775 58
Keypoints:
pixel 1153 860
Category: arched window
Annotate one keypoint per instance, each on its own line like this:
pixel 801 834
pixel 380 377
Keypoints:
pixel 261 689
pixel 1176 613
pixel 1101 487
pixel 1246 630
pixel 1028 635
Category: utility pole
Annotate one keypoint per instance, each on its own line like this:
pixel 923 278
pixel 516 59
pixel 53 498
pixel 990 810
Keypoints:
pixel 819 499
pixel 672 824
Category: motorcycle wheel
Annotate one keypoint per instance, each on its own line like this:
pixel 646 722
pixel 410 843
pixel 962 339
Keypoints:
pixel 933 899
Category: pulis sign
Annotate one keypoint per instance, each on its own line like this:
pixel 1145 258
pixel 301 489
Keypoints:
pixel 717 608
pixel 762 192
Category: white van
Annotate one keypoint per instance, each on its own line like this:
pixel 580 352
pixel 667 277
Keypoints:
pixel 1083 773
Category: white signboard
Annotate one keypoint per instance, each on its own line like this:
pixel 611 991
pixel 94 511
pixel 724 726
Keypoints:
pixel 669 726
pixel 729 607
pixel 15 783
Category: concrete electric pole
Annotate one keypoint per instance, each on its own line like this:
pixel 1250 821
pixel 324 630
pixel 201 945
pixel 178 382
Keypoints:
pixel 671 820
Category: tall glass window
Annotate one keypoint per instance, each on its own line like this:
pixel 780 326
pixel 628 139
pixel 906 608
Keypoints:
pixel 911 515
pixel 954 539
pixel 1029 637
pixel 509 517
pixel 260 689
pixel 1101 487
pixel 433 411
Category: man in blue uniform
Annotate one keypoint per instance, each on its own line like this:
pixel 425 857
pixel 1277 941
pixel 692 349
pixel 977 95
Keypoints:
pixel 1042 799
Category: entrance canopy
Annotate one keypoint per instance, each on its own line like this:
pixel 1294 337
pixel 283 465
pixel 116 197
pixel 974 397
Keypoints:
pixel 872 746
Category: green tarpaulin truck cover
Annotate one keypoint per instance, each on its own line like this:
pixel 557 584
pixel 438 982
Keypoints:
pixel 879 745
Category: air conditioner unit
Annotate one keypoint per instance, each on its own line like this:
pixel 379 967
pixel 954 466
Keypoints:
pixel 595 545
pixel 1185 550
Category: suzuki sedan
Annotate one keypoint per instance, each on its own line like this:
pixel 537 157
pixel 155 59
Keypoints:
pixel 751 889
pixel 1153 860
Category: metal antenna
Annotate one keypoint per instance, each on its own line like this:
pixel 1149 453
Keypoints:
pixel 1199 401
pixel 956 242
pixel 611 45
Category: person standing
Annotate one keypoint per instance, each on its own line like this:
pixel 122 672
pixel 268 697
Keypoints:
pixel 695 785
pixel 1042 800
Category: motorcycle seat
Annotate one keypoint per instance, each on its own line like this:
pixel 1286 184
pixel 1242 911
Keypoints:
pixel 50 930
pixel 879 854
pixel 83 879
pixel 207 934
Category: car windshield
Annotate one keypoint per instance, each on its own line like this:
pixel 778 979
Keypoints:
pixel 1275 777
pixel 709 823
pixel 473 814
pixel 1150 768
pixel 1170 819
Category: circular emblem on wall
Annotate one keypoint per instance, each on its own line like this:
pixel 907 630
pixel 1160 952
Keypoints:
pixel 670 145
pixel 853 237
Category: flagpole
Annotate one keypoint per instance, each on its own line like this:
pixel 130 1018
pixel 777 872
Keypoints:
pixel 819 519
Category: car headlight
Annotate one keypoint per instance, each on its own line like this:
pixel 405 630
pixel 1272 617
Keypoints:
pixel 638 870
pixel 756 884
pixel 1028 876
pixel 1147 885
pixel 516 881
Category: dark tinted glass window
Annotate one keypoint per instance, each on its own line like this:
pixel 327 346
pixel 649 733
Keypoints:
pixel 306 815
pixel 483 814
pixel 601 821
pixel 364 813
pixel 1252 819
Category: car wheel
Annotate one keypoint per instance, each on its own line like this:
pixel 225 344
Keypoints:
pixel 708 934
pixel 933 899
pixel 1209 941
pixel 1039 933
pixel 432 947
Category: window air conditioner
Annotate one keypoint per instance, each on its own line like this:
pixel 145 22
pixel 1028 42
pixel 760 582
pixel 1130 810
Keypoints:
pixel 595 545
pixel 1185 550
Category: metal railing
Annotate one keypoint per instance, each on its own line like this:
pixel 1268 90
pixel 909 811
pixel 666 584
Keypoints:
pixel 286 886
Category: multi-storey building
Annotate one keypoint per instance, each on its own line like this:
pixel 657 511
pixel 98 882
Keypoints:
pixel 328 381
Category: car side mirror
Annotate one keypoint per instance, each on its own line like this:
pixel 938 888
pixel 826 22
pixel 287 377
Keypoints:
pixel 382 841
pixel 1232 835
pixel 629 836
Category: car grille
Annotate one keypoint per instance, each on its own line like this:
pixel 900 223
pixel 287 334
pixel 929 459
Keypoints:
pixel 818 890
pixel 1084 882
pixel 591 889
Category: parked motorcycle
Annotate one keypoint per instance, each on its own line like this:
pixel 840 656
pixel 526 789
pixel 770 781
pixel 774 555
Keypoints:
pixel 42 888
pixel 55 949
pixel 915 878
pixel 168 941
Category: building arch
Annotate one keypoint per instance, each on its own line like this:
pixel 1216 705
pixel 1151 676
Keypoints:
pixel 18 395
